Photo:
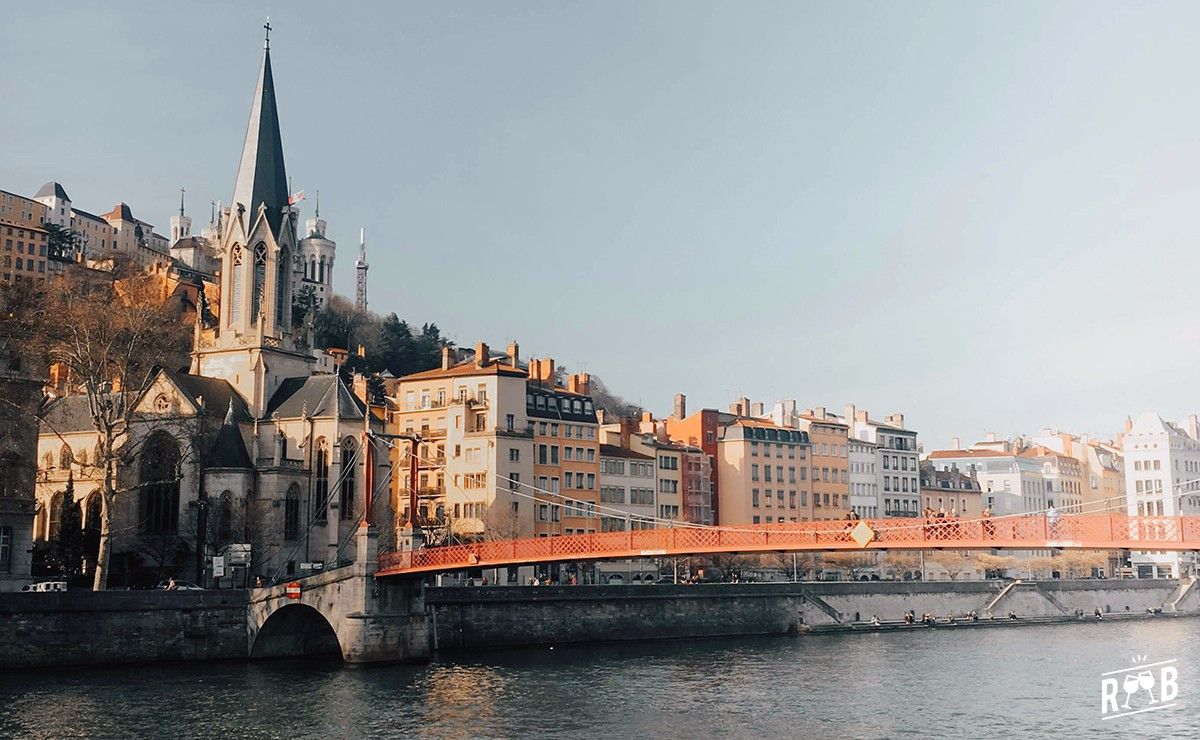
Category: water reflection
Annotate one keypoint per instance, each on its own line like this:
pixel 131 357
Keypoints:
pixel 1028 682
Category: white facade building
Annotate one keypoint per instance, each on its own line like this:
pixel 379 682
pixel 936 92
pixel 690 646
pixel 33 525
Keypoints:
pixel 865 479
pixel 1162 478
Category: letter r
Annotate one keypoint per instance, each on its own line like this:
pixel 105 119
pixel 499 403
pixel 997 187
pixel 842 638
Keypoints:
pixel 1108 694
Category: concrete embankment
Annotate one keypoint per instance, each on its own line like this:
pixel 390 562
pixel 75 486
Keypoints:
pixel 478 617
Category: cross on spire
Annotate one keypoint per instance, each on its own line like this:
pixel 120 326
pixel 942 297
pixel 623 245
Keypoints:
pixel 267 26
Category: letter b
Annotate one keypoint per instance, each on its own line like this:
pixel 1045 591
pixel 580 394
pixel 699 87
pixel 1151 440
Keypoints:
pixel 1170 683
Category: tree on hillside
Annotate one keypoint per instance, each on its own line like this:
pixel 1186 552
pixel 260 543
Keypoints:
pixel 108 335
pixel 61 242
pixel 388 343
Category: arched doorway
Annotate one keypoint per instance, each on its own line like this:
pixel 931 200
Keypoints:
pixel 295 630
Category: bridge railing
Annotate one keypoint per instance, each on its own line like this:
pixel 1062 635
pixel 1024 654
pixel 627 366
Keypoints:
pixel 1091 531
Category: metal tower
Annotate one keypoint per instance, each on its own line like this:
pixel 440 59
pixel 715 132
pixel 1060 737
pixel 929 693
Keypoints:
pixel 360 268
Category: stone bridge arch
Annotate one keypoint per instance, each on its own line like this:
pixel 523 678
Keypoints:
pixel 370 620
pixel 294 630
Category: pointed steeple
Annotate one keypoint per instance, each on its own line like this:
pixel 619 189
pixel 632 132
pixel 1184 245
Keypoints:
pixel 261 177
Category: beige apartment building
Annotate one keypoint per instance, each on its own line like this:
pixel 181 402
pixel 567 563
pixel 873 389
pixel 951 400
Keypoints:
pixel 24 255
pixel 763 470
pixel 504 452
pixel 476 449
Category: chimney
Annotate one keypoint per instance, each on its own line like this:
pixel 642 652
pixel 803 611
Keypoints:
pixel 819 412
pixel 955 443
pixel 481 354
pixel 849 413
pixel 680 406
pixel 628 428
pixel 990 437
pixel 601 417
pixel 1128 424
pixel 514 353
pixel 896 420
pixel 862 416
pixel 740 407
pixel 580 383
pixel 756 409
pixel 358 384
pixel 541 370
pixel 648 418
pixel 445 358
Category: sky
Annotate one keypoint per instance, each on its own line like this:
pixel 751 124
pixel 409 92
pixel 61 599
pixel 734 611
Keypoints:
pixel 982 215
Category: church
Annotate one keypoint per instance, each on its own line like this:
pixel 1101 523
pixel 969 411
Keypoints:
pixel 255 454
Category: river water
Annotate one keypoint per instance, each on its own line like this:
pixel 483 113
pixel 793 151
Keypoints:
pixel 1037 681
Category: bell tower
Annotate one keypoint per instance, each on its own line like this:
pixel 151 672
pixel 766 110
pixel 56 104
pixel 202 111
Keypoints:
pixel 252 346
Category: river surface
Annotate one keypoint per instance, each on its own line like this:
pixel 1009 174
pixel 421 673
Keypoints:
pixel 1037 681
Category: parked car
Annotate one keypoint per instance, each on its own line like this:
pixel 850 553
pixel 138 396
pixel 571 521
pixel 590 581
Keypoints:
pixel 179 586
pixel 45 586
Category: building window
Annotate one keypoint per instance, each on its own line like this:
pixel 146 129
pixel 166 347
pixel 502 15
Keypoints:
pixel 346 500
pixel 321 492
pixel 283 269
pixel 160 485
pixel 236 278
pixel 291 513
pixel 5 549
pixel 260 279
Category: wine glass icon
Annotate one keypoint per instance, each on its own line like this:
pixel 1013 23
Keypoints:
pixel 1130 684
pixel 1146 681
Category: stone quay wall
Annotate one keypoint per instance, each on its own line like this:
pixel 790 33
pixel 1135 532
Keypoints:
pixel 82 627
pixel 496 616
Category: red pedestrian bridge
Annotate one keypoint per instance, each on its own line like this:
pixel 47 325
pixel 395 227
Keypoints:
pixel 1032 532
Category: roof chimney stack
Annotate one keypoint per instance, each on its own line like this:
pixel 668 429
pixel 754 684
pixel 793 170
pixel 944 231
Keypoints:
pixel 446 358
pixel 514 353
pixel 481 354
pixel 680 406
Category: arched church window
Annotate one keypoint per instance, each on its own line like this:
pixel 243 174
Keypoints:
pixel 321 493
pixel 349 463
pixel 56 507
pixel 160 485
pixel 282 270
pixel 260 279
pixel 236 278
pixel 312 268
pixel 291 513
pixel 64 457
pixel 322 280
pixel 224 523
pixel 94 511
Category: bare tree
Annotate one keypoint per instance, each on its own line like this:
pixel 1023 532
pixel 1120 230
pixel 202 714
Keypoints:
pixel 954 562
pixel 993 566
pixel 107 335
pixel 853 563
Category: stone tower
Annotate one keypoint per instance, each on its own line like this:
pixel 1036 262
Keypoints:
pixel 316 257
pixel 252 346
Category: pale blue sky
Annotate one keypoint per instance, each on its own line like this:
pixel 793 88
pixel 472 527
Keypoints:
pixel 983 215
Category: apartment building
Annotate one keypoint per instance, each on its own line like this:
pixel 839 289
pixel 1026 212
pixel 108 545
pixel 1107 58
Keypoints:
pixel 897 463
pixel 1063 476
pixel 476 453
pixel 1102 468
pixel 764 473
pixel 1009 482
pixel 25 245
pixel 106 236
pixel 863 464
pixel 699 431
pixel 954 491
pixel 1162 478
pixel 676 467
pixel 627 489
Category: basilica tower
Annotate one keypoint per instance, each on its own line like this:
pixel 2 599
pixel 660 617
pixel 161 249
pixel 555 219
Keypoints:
pixel 252 346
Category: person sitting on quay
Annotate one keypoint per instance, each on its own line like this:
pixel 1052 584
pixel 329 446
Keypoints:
pixel 1012 615
pixel 875 621
pixel 973 616
pixel 950 618
pixel 909 617
pixel 1098 613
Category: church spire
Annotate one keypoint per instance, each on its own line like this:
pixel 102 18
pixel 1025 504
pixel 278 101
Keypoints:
pixel 261 178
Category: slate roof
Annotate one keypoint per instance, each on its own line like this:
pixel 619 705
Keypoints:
pixel 261 177
pixel 228 450
pixel 215 392
pixel 69 414
pixel 318 396
pixel 616 451
pixel 54 189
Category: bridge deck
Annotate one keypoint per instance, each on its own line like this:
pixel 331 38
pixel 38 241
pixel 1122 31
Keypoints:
pixel 1035 532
